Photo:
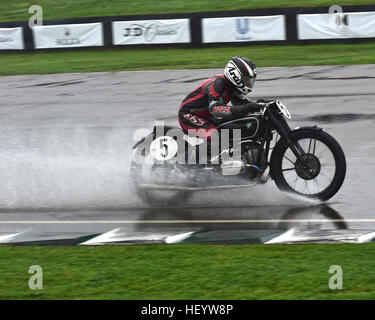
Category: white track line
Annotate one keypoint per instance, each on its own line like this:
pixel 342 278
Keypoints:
pixel 179 221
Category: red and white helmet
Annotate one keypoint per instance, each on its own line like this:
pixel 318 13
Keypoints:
pixel 241 72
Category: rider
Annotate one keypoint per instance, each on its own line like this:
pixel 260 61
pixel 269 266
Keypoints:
pixel 211 98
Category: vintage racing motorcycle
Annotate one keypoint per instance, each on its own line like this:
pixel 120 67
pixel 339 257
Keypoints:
pixel 306 161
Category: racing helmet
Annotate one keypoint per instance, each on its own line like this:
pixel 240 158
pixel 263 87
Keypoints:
pixel 241 72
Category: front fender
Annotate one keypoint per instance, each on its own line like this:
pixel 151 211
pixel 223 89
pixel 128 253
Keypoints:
pixel 315 128
pixel 298 129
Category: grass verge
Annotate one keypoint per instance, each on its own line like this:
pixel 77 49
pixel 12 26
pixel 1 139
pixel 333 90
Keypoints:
pixel 189 272
pixel 11 10
pixel 151 59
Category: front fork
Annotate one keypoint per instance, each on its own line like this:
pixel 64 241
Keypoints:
pixel 283 128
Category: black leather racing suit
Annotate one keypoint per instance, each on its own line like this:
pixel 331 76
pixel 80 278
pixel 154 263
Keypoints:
pixel 210 99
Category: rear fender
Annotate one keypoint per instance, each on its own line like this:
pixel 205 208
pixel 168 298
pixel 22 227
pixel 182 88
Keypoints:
pixel 139 142
pixel 165 130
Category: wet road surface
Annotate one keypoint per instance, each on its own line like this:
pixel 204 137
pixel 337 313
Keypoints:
pixel 65 149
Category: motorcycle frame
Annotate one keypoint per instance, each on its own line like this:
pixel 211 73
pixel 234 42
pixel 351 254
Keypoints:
pixel 276 121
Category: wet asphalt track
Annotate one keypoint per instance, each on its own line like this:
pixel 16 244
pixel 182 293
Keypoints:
pixel 65 149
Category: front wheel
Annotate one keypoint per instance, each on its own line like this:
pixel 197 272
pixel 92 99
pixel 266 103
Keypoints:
pixel 320 171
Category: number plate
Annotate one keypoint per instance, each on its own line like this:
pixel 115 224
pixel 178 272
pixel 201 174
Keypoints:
pixel 163 148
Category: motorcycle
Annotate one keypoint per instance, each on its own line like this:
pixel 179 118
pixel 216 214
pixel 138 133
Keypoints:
pixel 306 161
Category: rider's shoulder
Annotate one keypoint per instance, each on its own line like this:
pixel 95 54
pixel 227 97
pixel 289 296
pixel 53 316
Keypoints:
pixel 219 80
pixel 216 83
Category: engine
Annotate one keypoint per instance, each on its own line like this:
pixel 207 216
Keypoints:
pixel 253 158
pixel 248 164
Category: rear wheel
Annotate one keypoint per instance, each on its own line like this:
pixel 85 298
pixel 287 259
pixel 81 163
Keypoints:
pixel 146 174
pixel 318 174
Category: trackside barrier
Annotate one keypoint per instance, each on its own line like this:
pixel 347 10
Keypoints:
pixel 203 29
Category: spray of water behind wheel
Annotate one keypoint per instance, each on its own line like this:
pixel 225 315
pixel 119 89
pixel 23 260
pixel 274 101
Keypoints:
pixel 64 168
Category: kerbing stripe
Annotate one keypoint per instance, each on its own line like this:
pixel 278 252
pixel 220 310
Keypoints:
pixel 7 222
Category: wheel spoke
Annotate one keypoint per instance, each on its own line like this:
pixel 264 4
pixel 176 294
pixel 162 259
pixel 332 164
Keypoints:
pixel 316 185
pixel 314 147
pixel 295 181
pixel 288 159
pixel 305 187
pixel 320 178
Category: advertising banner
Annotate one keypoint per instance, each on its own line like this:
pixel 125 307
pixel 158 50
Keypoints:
pixel 11 39
pixel 243 29
pixel 151 31
pixel 68 35
pixel 336 26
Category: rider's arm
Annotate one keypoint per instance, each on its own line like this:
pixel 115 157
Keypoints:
pixel 218 108
pixel 215 91
pixel 236 100
pixel 243 106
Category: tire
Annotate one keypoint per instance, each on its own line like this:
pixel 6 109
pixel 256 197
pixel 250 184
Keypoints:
pixel 279 173
pixel 151 197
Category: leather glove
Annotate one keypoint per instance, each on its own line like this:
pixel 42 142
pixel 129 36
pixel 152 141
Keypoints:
pixel 253 107
pixel 242 110
pixel 265 101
